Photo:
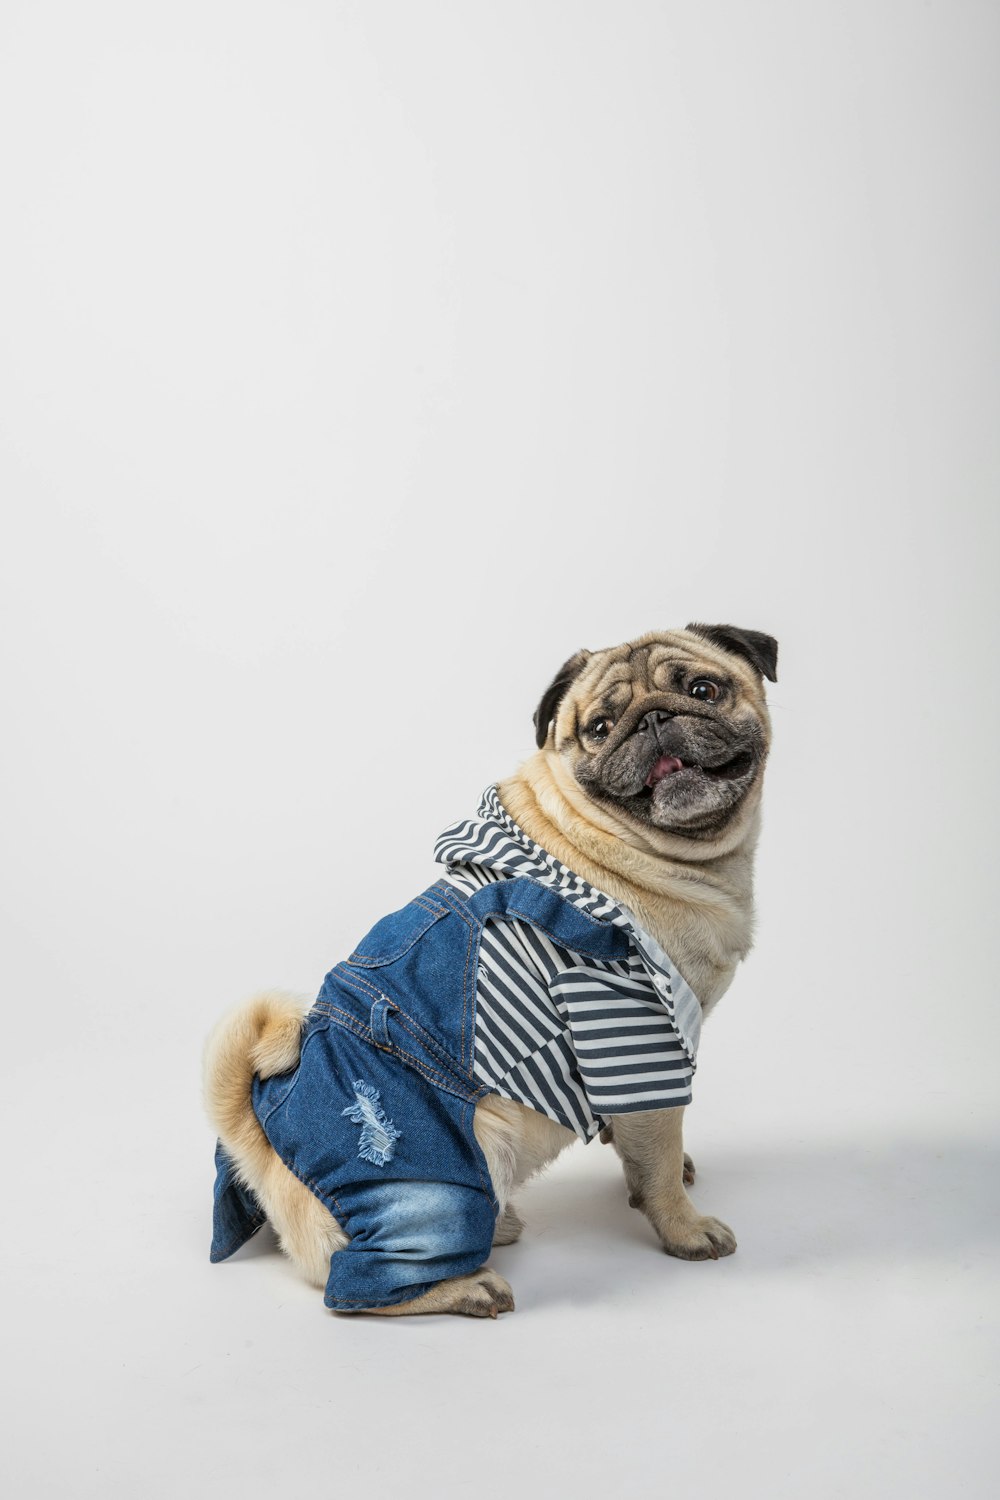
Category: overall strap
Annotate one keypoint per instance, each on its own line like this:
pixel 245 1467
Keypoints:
pixel 526 899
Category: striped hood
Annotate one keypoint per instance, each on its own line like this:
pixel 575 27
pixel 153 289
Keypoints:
pixel 491 846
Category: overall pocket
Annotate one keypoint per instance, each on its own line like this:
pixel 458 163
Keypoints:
pixel 396 934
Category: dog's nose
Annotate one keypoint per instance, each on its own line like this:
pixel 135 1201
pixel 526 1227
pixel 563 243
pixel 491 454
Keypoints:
pixel 653 721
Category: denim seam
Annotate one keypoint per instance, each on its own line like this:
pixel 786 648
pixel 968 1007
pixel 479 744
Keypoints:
pixel 413 1293
pixel 595 921
pixel 346 1020
pixel 467 1123
pixel 424 901
pixel 377 961
pixel 284 1098
pixel 579 911
pixel 471 990
pixel 467 989
pixel 460 908
pixel 317 1192
pixel 240 1239
pixel 350 1024
pixel 307 1182
pixel 364 987
pixel 359 983
pixel 522 916
pixel 427 1040
pixel 455 1079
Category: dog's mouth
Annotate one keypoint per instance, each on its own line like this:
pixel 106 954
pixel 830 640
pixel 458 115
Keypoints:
pixel 691 782
pixel 673 765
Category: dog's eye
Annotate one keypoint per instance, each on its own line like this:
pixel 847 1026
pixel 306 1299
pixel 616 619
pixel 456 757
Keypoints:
pixel 599 729
pixel 704 689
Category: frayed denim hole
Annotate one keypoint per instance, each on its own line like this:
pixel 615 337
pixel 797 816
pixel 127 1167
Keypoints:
pixel 378 1134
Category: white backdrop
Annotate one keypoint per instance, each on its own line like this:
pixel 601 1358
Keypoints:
pixel 360 363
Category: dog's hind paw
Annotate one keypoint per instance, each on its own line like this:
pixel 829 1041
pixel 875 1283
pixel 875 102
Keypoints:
pixel 486 1296
pixel 509 1226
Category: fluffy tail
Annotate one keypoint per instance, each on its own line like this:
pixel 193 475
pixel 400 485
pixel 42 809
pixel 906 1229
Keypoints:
pixel 263 1036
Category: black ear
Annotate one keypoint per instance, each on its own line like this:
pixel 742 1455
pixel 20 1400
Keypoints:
pixel 553 695
pixel 761 651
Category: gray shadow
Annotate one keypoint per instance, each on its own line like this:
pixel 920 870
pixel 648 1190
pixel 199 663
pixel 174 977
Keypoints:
pixel 804 1203
pixel 797 1207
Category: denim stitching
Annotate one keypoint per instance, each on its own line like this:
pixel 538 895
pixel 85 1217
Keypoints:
pixel 467 1124
pixel 347 1021
pixel 441 1079
pixel 550 932
pixel 424 901
pixel 378 959
pixel 350 1024
pixel 515 907
pixel 446 1081
pixel 239 1239
pixel 460 908
pixel 412 1294
pixel 449 1074
pixel 284 1098
pixel 471 990
pixel 425 1038
pixel 313 1187
pixel 359 983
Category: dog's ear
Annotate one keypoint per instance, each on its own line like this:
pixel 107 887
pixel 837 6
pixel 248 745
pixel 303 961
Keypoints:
pixel 554 693
pixel 761 651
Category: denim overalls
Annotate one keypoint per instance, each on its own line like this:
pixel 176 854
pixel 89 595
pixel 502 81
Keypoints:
pixel 376 1120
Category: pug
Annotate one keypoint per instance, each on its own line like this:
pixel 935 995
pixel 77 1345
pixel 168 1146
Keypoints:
pixel 550 985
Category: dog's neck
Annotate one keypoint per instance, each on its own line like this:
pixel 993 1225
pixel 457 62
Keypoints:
pixel 699 908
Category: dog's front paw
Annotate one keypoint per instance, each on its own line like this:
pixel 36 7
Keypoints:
pixel 699 1238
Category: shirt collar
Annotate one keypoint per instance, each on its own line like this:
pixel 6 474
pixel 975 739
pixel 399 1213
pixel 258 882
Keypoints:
pixel 491 838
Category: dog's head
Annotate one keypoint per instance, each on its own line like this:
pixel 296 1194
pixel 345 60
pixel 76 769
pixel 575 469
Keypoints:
pixel 669 732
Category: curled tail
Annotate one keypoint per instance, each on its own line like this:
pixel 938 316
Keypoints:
pixel 263 1036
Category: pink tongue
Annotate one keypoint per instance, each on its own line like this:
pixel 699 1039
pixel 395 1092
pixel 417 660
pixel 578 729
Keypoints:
pixel 665 766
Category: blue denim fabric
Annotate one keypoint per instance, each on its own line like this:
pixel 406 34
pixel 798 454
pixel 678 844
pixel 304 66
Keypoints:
pixel 376 1119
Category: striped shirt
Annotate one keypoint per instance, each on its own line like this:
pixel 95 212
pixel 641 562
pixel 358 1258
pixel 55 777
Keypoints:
pixel 576 1038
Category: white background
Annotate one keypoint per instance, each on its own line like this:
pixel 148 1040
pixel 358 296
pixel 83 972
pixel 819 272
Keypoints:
pixel 360 363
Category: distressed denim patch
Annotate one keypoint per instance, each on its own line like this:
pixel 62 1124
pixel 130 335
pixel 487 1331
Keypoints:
pixel 378 1134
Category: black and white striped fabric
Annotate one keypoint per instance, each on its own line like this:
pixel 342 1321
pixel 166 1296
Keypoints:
pixel 576 1038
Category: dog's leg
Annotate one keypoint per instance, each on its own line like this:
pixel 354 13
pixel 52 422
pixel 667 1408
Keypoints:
pixel 607 1139
pixel 517 1142
pixel 509 1226
pixel 651 1147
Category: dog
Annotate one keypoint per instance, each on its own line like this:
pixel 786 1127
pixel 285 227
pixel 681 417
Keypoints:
pixel 551 984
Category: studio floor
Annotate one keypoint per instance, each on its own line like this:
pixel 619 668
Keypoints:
pixel 848 1348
